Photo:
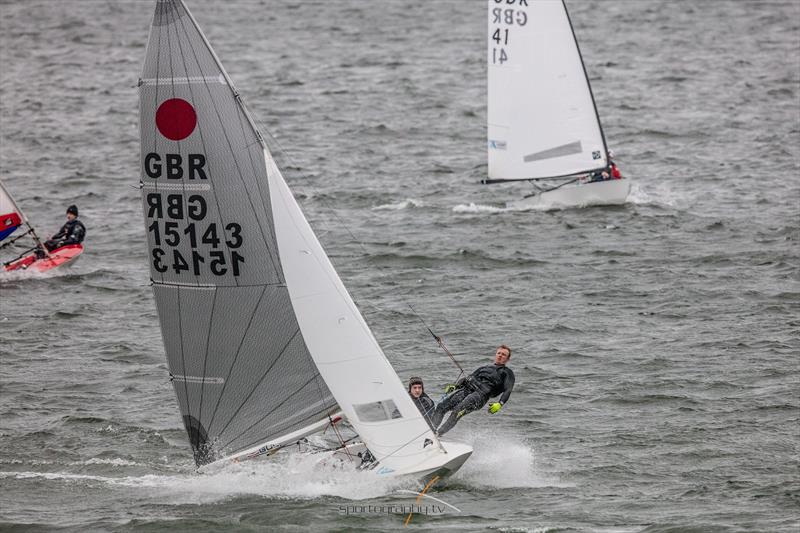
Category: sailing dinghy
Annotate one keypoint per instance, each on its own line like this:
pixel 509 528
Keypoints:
pixel 543 125
pixel 263 342
pixel 11 219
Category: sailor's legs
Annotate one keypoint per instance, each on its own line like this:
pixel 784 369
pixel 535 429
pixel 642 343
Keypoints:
pixel 448 404
pixel 471 402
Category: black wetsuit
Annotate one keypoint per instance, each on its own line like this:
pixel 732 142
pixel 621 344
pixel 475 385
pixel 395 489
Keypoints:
pixel 473 393
pixel 73 232
pixel 425 406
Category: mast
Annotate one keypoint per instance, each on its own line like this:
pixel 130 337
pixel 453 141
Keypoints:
pixel 586 75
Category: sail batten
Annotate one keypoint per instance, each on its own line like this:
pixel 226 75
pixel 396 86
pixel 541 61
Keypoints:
pixel 542 118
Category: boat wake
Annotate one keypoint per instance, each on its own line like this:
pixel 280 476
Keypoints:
pixel 285 476
pixel 502 461
pixel 478 208
pixel 408 203
pixel 473 208
pixel 24 275
pixel 653 197
pixel 498 461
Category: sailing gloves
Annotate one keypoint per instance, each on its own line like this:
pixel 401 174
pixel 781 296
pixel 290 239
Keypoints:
pixel 449 388
pixel 494 407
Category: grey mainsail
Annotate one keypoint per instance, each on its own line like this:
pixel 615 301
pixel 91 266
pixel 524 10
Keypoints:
pixel 238 361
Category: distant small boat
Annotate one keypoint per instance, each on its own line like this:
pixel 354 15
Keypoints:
pixel 11 219
pixel 58 257
pixel 263 342
pixel 543 125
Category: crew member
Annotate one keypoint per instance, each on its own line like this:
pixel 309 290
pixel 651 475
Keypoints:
pixel 416 389
pixel 472 393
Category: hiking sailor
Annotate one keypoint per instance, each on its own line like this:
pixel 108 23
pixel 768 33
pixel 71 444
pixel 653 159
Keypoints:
pixel 472 393
pixel 72 232
pixel 416 389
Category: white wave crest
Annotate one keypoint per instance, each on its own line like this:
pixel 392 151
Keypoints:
pixel 408 203
pixel 498 461
pixel 293 476
pixel 502 461
pixel 477 208
pixel 657 194
pixel 117 461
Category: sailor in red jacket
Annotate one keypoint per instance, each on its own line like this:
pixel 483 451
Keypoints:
pixel 615 173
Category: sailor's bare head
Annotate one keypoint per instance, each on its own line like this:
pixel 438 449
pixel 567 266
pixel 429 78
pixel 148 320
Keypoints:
pixel 502 354
pixel 415 387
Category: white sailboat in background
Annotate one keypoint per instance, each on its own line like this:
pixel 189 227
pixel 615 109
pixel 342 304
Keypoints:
pixel 543 125
pixel 264 344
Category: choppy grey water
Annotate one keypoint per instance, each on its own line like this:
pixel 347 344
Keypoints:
pixel 655 344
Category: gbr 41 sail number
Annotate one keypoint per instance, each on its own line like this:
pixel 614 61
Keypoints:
pixel 504 16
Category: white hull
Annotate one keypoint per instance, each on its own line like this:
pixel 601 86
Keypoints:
pixel 609 192
pixel 441 465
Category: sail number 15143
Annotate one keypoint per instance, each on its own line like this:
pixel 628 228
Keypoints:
pixel 185 223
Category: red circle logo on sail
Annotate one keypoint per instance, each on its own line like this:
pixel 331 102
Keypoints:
pixel 176 119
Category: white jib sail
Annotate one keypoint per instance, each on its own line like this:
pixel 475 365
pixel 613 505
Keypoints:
pixel 542 119
pixel 349 358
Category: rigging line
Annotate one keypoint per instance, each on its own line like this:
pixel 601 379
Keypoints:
pixel 323 449
pixel 240 104
pixel 38 241
pixel 439 340
pixel 15 239
pixel 406 444
pixel 6 263
pixel 236 357
pixel 264 375
pixel 322 398
pixel 339 436
pixel 330 419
